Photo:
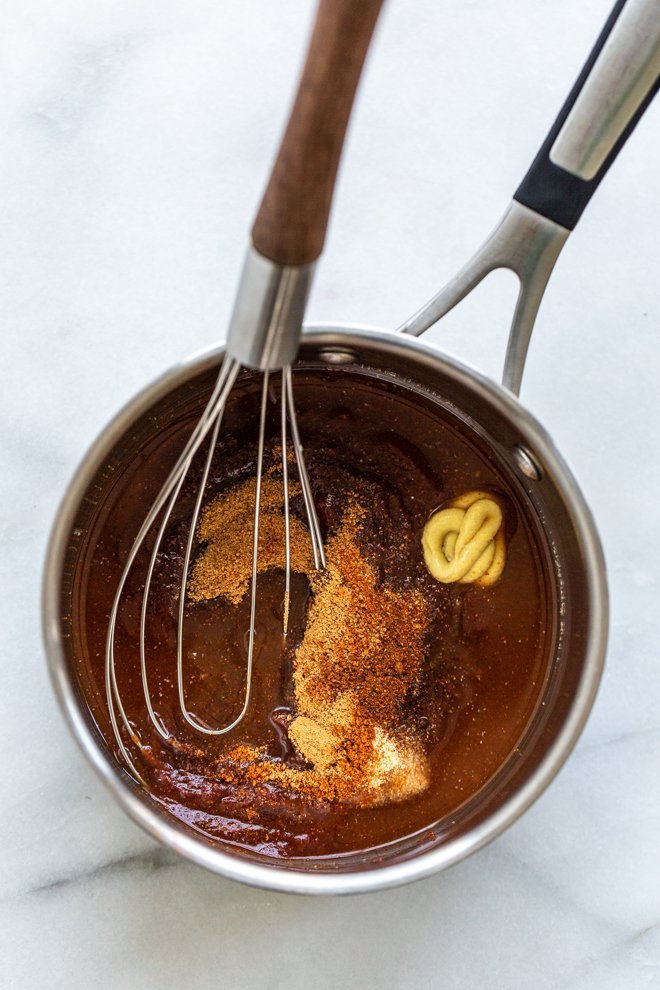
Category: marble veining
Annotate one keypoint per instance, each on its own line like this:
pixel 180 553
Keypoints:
pixel 153 859
pixel 135 140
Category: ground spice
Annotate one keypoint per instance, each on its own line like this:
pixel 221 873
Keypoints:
pixel 361 655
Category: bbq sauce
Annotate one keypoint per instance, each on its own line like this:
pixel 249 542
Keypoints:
pixel 488 650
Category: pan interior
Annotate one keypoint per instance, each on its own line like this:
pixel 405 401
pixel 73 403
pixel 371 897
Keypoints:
pixel 547 514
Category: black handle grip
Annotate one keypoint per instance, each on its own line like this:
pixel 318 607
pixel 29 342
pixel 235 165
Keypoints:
pixel 552 191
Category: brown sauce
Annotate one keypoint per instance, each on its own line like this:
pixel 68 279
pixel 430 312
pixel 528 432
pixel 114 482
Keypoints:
pixel 487 649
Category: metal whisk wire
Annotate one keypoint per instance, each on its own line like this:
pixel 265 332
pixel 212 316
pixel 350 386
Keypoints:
pixel 210 422
pixel 264 332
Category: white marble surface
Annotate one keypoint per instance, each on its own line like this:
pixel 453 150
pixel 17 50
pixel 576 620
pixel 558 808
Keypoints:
pixel 135 136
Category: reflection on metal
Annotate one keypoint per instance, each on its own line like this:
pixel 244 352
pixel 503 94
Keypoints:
pixel 626 69
pixel 265 326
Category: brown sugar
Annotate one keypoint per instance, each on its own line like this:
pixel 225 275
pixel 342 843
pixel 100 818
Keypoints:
pixel 360 657
pixel 318 732
pixel 224 567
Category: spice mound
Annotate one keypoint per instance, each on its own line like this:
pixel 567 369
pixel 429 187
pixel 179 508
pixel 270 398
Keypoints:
pixel 357 665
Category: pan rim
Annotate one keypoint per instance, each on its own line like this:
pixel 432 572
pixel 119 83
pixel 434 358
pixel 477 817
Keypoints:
pixel 426 862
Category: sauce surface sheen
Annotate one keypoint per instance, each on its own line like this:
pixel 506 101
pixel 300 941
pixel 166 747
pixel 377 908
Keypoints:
pixel 488 649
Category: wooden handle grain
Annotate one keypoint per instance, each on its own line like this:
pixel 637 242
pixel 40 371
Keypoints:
pixel 292 219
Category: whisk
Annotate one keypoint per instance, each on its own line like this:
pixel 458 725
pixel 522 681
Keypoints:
pixel 264 334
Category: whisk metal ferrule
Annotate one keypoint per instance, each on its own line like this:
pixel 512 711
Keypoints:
pixel 265 326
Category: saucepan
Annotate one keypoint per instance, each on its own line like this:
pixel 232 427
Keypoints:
pixel 610 96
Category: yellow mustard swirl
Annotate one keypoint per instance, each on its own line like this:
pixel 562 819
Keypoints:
pixel 465 542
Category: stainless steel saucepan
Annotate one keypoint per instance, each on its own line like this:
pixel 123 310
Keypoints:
pixel 610 96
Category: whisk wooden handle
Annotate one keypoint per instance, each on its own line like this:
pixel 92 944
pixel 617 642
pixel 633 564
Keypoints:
pixel 292 219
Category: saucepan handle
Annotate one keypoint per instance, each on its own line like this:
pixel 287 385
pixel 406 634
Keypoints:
pixel 616 85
